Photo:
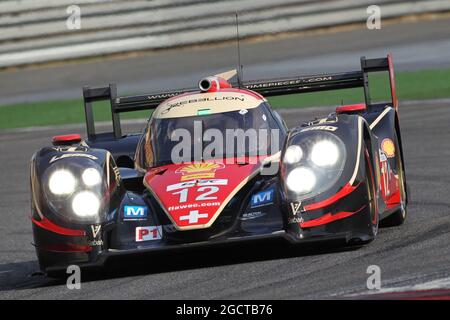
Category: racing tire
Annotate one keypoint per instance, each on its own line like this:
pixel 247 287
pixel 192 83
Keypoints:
pixel 371 197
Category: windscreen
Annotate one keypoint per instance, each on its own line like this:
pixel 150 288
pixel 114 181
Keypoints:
pixel 245 132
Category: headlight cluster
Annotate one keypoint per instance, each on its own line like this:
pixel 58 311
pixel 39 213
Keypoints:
pixel 75 189
pixel 313 163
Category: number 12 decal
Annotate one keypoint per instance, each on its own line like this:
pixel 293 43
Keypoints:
pixel 204 196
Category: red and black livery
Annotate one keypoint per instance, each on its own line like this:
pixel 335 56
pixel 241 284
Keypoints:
pixel 332 179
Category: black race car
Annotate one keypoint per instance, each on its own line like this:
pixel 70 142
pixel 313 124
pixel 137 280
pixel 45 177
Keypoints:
pixel 330 179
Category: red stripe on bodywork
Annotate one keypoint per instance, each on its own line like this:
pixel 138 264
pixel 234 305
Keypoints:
pixel 346 190
pixel 66 247
pixel 392 81
pixel 393 200
pixel 50 226
pixel 327 218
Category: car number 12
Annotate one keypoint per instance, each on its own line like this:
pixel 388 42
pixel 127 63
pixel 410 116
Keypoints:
pixel 206 194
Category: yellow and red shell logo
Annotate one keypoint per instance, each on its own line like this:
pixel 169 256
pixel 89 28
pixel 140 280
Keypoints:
pixel 388 148
pixel 199 170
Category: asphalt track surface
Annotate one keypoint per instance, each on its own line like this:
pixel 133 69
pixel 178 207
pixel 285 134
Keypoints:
pixel 416 253
pixel 415 45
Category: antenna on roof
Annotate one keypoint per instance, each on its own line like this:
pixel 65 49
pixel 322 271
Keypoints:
pixel 240 74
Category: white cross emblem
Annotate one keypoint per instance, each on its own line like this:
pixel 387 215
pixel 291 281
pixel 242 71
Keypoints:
pixel 194 216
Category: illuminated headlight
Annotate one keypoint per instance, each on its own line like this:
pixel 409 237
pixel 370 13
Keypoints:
pixel 301 180
pixel 91 177
pixel 62 182
pixel 293 154
pixel 325 153
pixel 85 204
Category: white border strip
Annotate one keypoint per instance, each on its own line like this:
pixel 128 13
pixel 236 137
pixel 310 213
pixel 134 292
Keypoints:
pixel 378 119
pixel 358 155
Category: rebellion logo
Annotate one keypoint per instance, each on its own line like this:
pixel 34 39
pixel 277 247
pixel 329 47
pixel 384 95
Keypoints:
pixel 199 171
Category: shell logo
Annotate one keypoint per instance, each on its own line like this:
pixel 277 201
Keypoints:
pixel 388 148
pixel 199 171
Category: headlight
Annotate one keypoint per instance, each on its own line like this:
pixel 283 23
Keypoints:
pixel 313 162
pixel 325 153
pixel 91 177
pixel 301 180
pixel 293 154
pixel 85 204
pixel 62 182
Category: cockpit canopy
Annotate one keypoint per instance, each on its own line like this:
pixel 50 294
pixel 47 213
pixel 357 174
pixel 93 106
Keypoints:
pixel 208 134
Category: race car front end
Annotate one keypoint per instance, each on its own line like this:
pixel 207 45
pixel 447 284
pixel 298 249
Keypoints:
pixel 329 184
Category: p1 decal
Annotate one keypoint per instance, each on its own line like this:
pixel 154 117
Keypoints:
pixel 134 212
pixel 149 233
pixel 262 198
pixel 388 147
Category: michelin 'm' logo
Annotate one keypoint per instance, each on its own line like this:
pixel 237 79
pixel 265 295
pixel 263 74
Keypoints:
pixel 135 212
pixel 262 198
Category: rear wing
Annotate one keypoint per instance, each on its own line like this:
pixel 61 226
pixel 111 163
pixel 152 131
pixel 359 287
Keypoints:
pixel 346 80
pixel 267 88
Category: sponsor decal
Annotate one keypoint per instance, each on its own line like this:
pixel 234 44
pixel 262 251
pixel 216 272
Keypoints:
pixel 194 216
pixel 69 149
pixel 148 233
pixel 382 156
pixel 388 147
pixel 287 82
pixel 199 171
pixel 326 128
pixel 134 212
pixel 199 183
pixel 70 155
pixel 208 99
pixel 96 232
pixel 95 243
pixel 295 206
pixel 252 215
pixel 295 220
pixel 194 205
pixel 262 198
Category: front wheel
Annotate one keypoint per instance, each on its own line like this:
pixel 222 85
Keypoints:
pixel 371 196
